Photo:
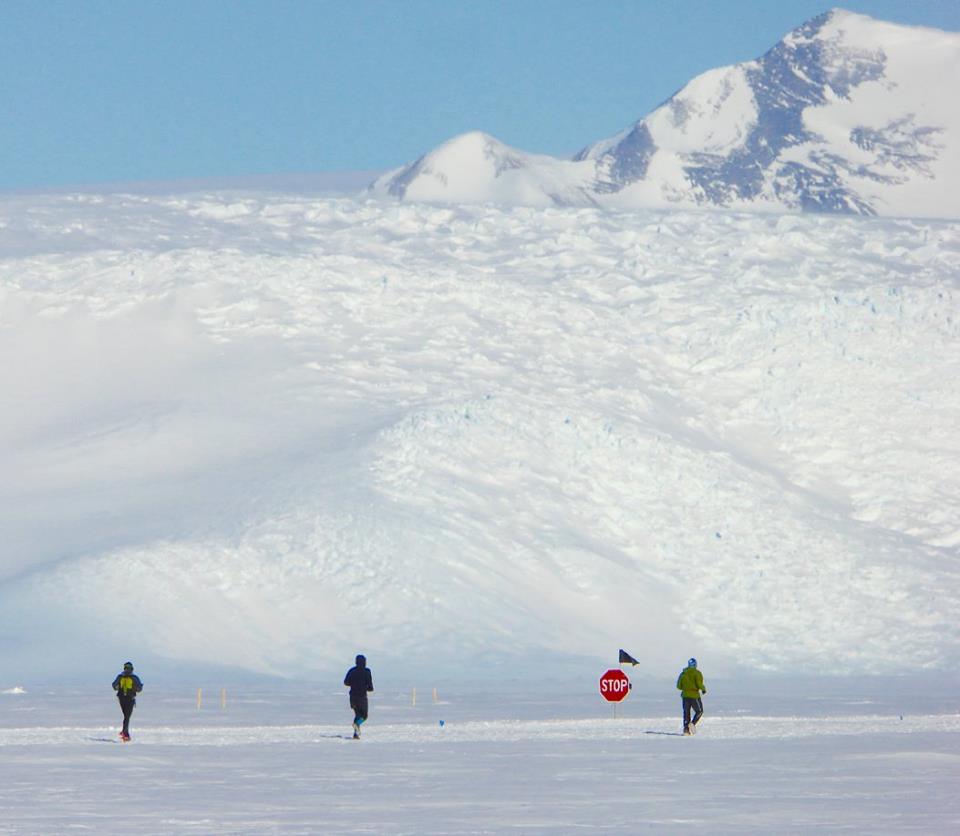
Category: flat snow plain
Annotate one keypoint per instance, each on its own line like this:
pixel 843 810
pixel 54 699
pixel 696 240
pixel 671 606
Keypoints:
pixel 775 756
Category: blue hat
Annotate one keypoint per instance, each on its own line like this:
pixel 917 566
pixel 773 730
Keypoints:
pixel 691 663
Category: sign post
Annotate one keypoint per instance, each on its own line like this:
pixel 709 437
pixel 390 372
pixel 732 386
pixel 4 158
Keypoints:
pixel 614 687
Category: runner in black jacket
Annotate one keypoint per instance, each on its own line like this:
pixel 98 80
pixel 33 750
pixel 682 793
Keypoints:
pixel 360 682
pixel 127 685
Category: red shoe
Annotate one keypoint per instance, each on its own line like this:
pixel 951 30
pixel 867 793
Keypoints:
pixel 125 737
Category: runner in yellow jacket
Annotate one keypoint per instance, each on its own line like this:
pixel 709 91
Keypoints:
pixel 690 685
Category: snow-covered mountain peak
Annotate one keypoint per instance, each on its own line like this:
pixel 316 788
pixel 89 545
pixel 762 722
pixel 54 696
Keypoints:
pixel 844 114
pixel 854 27
pixel 478 168
pixel 471 155
pixel 836 52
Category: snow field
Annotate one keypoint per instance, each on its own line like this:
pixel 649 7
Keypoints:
pixel 744 727
pixel 547 761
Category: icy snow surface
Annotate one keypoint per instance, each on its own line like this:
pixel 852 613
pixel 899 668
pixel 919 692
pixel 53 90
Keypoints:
pixel 523 756
pixel 265 431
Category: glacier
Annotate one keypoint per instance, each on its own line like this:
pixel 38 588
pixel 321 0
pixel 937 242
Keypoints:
pixel 258 431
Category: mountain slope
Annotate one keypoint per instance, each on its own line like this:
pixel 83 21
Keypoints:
pixel 846 114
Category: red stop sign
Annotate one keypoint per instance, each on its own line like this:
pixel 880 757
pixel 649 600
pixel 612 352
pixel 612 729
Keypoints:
pixel 614 685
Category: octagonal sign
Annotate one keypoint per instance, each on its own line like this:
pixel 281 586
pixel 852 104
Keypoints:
pixel 614 685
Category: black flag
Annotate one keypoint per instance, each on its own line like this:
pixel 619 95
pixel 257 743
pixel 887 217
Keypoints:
pixel 626 658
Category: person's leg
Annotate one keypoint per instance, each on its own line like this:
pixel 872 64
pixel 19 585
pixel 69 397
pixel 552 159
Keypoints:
pixel 698 710
pixel 356 716
pixel 362 708
pixel 686 714
pixel 126 706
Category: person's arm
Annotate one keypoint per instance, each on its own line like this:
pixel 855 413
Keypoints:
pixel 369 681
pixel 679 686
pixel 137 684
pixel 700 677
pixel 346 679
pixel 116 683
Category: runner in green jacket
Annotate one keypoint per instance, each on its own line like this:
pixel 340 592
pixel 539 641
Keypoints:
pixel 690 685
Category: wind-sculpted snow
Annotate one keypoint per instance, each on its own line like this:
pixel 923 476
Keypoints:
pixel 263 431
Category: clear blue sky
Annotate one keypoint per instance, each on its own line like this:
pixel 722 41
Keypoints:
pixel 98 92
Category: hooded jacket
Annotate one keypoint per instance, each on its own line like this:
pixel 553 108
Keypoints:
pixel 690 683
pixel 359 679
